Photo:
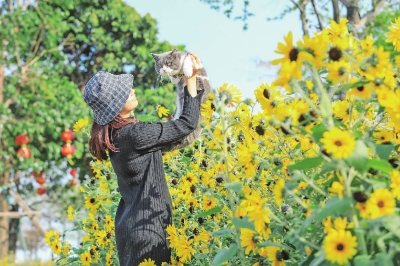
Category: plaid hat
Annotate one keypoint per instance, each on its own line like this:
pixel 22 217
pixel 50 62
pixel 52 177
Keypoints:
pixel 107 94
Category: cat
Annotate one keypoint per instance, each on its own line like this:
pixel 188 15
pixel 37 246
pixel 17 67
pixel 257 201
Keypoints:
pixel 176 65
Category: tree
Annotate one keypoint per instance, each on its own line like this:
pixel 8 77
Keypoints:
pixel 316 14
pixel 49 50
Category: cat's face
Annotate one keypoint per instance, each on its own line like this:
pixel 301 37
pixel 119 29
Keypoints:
pixel 168 63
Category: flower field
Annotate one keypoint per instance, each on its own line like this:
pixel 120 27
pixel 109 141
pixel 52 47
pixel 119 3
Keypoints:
pixel 310 179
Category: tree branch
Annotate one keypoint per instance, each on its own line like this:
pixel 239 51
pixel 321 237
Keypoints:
pixel 370 15
pixel 301 6
pixel 317 14
pixel 346 3
pixel 336 11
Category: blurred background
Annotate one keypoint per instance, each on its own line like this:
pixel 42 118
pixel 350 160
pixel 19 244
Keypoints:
pixel 50 48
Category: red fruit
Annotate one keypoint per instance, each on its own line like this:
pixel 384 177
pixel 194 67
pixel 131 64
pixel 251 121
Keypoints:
pixel 73 172
pixel 21 139
pixel 24 152
pixel 35 175
pixel 41 180
pixel 73 182
pixel 67 135
pixel 41 190
pixel 68 150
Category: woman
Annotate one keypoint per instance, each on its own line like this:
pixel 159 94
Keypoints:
pixel 144 210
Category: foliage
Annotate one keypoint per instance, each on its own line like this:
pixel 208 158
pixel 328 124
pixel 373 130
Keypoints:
pixel 307 180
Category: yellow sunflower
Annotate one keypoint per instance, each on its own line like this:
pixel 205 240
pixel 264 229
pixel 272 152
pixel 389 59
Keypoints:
pixel 278 191
pixel 70 213
pixel 338 71
pixel 85 258
pixel 380 203
pixel 394 34
pixel 339 246
pixel 147 262
pixel 384 136
pixel 339 143
pixel 248 239
pixel 56 246
pixel 231 94
pixel 80 124
pixel 395 183
pixel 162 111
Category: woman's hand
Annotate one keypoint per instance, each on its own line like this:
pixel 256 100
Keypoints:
pixel 197 66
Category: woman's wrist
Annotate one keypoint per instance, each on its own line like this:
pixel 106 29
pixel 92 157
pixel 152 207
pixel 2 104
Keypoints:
pixel 191 85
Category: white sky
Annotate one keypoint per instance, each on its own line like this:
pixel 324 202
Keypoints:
pixel 228 53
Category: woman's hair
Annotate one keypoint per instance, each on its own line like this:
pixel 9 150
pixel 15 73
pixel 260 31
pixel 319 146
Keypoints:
pixel 101 136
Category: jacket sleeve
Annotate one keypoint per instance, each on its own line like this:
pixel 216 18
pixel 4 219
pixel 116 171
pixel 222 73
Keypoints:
pixel 152 136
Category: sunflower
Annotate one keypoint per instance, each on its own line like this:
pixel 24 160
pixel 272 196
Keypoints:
pixel 337 188
pixel 56 246
pixel 340 246
pixel 338 71
pixel 278 191
pixel 85 258
pixel 248 239
pixel 395 183
pixel 380 203
pixel 91 204
pixel 339 143
pixel 80 125
pixel 66 248
pixel 337 31
pixel 394 34
pixel 384 136
pixel 315 48
pixel 70 213
pixel 230 93
pixel 362 91
pixel 185 249
pixel 147 262
pixel 162 111
pixel 208 202
pixel 268 96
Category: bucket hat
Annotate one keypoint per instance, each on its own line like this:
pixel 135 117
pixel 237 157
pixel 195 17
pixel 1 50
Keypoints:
pixel 107 94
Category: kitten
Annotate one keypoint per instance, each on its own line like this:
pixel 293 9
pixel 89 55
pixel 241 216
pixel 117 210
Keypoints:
pixel 177 65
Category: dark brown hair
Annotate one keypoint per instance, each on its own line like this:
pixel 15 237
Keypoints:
pixel 101 136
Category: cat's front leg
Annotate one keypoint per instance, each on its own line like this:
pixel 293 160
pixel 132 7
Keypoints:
pixel 178 109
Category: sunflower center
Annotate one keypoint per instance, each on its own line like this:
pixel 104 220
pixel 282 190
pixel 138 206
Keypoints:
pixel 338 143
pixel 361 88
pixel 381 204
pixel 293 54
pixel 335 54
pixel 340 247
pixel 92 200
pixel 266 94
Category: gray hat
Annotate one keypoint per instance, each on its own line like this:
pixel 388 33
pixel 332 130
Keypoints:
pixel 107 94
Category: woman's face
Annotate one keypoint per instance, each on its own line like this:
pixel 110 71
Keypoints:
pixel 130 104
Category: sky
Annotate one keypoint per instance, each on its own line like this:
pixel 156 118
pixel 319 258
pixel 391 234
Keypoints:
pixel 228 53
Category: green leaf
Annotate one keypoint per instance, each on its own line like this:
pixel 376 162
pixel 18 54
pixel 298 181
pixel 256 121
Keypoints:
pixel 224 255
pixel 223 232
pixel 382 259
pixel 334 206
pixel 318 131
pixel 147 118
pixel 362 260
pixel 359 158
pixel 380 165
pixel 235 186
pixel 185 160
pixel 353 85
pixel 268 243
pixel 384 151
pixel 243 223
pixel 307 163
pixel 209 212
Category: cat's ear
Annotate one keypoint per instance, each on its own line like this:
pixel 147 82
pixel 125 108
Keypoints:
pixel 156 56
pixel 174 51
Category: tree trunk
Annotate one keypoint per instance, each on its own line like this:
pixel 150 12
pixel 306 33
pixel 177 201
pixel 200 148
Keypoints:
pixel 4 223
pixel 13 235
pixel 336 11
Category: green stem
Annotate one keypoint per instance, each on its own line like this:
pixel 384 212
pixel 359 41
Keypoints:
pixel 348 177
pixel 227 178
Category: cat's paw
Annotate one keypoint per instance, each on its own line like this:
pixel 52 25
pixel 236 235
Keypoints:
pixel 187 67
